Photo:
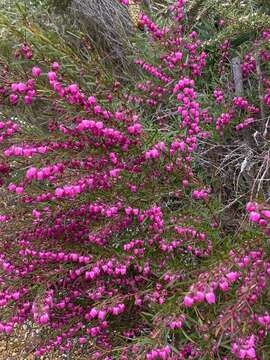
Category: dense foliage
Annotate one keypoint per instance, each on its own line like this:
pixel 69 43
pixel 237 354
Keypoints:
pixel 112 226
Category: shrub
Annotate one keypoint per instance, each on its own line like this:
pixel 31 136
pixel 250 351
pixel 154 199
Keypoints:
pixel 110 239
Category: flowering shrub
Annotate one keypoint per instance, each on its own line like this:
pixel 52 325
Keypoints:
pixel 110 239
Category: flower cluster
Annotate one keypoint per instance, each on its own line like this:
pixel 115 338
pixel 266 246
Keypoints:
pixel 152 27
pixel 7 128
pixel 27 90
pixel 245 348
pixel 244 123
pixel 219 96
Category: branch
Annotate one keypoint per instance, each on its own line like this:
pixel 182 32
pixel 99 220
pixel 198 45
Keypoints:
pixel 237 76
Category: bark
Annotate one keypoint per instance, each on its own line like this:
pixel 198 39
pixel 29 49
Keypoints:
pixel 237 76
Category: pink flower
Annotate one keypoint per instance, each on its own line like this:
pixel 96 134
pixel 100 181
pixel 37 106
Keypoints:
pixel 254 216
pixel 199 296
pixel 188 301
pixel 224 286
pixel 44 319
pixel 73 88
pixel 36 71
pixel 55 66
pixel 52 76
pixel 232 276
pixel 19 190
pixel 28 100
pixel 82 340
pixel 36 213
pixel 210 298
pixel 21 87
pixel 91 100
pixel 14 87
pixel 251 206
pixel 13 99
pixel 59 192
pixel 93 313
pixel 101 315
pixel 266 213
pixel 251 353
